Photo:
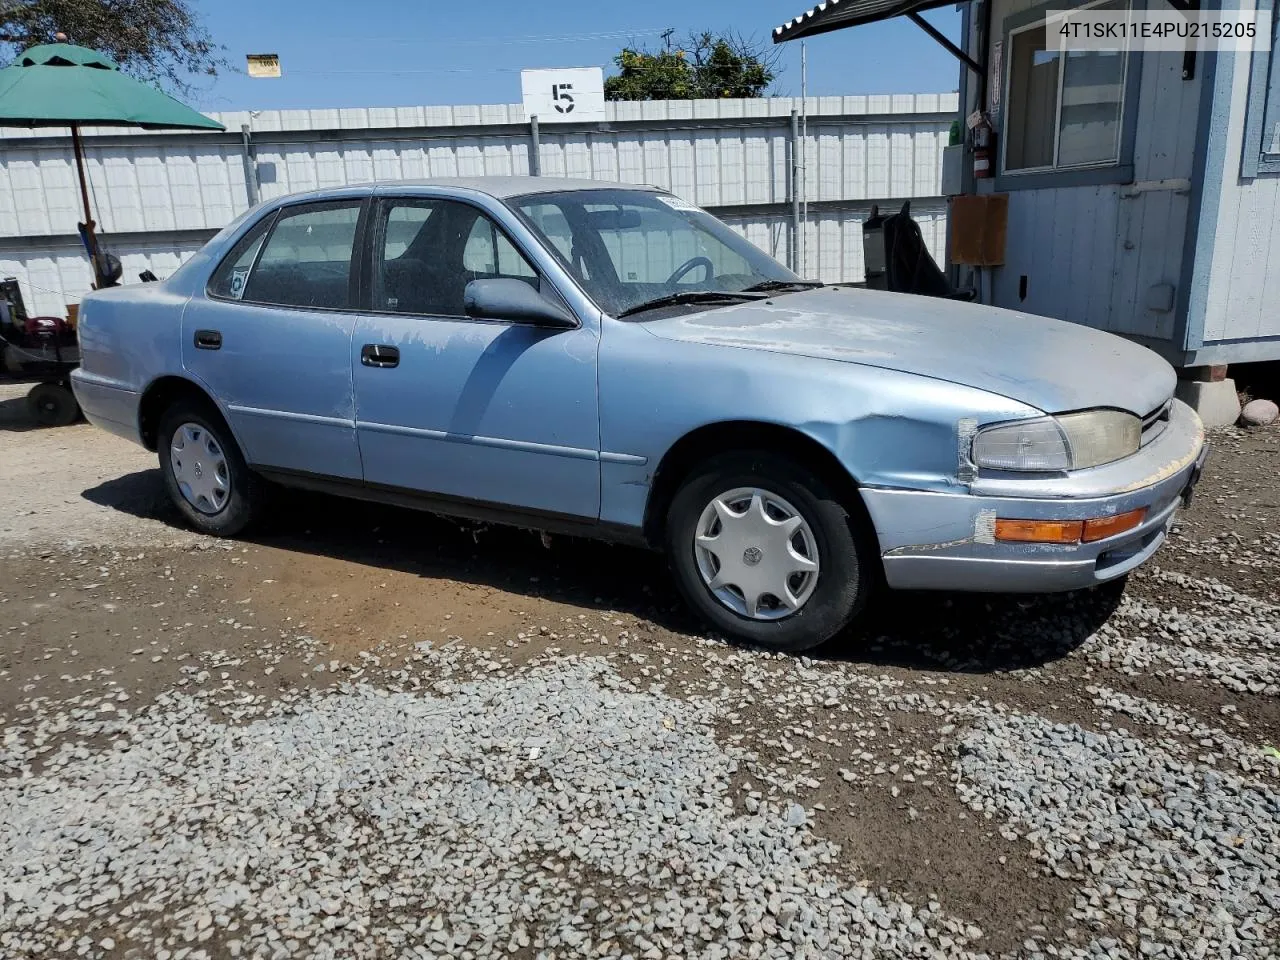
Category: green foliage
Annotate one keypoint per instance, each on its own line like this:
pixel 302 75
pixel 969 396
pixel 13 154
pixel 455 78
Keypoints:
pixel 158 40
pixel 706 66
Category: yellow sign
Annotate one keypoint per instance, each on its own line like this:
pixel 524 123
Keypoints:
pixel 264 65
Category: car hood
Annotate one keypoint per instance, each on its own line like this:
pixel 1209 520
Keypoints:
pixel 1049 364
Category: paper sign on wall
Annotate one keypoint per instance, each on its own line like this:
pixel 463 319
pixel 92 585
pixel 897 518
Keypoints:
pixel 570 95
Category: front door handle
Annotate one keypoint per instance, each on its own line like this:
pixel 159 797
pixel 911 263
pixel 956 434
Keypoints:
pixel 379 355
pixel 208 339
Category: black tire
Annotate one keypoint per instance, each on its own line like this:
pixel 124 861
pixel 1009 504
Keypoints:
pixel 52 405
pixel 246 489
pixel 844 577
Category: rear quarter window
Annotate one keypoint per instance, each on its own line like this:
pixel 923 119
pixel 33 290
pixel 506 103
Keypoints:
pixel 228 281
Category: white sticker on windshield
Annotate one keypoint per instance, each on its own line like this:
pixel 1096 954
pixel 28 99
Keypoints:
pixel 675 203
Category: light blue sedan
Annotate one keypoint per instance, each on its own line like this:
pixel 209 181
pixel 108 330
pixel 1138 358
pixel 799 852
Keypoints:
pixel 613 362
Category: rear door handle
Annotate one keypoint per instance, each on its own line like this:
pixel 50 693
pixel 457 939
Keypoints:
pixel 208 339
pixel 379 355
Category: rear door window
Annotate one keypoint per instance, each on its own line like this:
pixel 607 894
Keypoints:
pixel 307 259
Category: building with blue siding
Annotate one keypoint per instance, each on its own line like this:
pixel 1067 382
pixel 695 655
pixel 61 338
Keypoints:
pixel 1143 186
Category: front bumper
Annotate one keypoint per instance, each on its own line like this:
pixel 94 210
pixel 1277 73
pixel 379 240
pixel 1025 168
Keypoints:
pixel 106 404
pixel 940 541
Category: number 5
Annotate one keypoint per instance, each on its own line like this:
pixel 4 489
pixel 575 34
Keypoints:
pixel 562 97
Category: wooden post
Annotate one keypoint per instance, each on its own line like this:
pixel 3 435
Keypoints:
pixel 91 240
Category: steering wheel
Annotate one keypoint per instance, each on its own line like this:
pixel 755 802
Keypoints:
pixel 690 264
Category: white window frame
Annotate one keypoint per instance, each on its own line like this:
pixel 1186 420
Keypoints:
pixel 1057 107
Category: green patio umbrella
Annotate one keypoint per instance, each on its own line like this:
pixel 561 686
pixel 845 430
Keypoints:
pixel 63 85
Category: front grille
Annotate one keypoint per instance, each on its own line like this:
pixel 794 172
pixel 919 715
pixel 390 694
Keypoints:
pixel 1155 422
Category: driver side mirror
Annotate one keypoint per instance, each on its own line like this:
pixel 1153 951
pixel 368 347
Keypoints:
pixel 515 302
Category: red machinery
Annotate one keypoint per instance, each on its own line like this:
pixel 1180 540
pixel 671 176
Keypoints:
pixel 39 350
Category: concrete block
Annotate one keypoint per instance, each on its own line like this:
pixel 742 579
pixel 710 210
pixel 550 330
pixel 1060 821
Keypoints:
pixel 1215 401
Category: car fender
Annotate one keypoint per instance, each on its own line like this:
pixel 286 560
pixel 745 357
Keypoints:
pixel 886 428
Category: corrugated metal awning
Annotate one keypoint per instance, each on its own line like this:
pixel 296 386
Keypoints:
pixel 835 14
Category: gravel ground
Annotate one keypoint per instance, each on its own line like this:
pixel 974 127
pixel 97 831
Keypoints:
pixel 371 733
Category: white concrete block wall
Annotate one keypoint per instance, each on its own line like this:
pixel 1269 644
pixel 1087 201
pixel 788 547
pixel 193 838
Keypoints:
pixel 53 275
pixel 833 252
pixel 144 185
pixel 833 237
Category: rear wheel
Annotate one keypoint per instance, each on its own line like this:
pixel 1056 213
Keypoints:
pixel 763 549
pixel 52 405
pixel 204 473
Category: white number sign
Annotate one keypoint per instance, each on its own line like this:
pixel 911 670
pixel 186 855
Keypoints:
pixel 571 95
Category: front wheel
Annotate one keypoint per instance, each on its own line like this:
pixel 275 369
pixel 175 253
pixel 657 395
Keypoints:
pixel 763 549
pixel 205 474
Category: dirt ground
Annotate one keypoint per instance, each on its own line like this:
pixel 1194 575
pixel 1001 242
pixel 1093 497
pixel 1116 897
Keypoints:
pixel 101 588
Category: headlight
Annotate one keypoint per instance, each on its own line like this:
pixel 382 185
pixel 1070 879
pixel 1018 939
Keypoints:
pixel 1100 436
pixel 1073 441
pixel 1025 445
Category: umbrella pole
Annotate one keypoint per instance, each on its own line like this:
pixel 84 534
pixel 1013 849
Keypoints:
pixel 90 240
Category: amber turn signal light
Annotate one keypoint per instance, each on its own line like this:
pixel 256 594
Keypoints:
pixel 1068 531
pixel 1103 527
pixel 1040 531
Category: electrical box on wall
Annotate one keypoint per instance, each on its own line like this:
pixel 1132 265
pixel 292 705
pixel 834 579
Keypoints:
pixel 953 170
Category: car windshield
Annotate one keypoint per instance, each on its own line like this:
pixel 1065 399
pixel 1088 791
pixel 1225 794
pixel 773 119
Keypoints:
pixel 629 248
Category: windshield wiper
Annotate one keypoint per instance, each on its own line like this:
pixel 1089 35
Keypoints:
pixel 692 296
pixel 766 285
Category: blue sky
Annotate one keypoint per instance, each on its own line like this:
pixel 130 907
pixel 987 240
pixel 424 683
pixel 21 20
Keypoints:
pixel 399 52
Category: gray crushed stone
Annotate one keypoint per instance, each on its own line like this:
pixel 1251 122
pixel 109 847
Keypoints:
pixel 1189 857
pixel 560 809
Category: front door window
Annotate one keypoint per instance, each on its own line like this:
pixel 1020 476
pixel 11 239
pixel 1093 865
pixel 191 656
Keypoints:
pixel 305 261
pixel 427 251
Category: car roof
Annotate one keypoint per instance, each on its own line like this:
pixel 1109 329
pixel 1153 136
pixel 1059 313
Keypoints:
pixel 504 187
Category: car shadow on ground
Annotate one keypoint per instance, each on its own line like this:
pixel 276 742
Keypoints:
pixel 974 633
pixel 140 494
pixel 15 416
pixel 928 631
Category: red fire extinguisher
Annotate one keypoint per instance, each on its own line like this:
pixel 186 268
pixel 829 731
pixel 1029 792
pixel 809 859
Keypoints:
pixel 983 149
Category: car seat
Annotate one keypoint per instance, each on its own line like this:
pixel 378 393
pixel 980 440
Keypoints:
pixel 908 266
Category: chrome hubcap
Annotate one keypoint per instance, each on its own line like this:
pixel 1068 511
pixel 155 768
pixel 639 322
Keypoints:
pixel 200 468
pixel 756 554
